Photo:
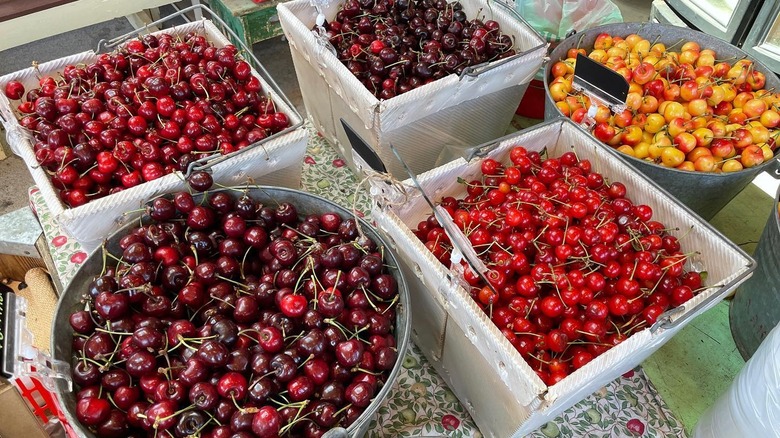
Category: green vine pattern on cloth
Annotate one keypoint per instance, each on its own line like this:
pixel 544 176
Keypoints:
pixel 421 404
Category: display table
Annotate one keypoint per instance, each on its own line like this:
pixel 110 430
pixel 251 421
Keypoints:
pixel 421 405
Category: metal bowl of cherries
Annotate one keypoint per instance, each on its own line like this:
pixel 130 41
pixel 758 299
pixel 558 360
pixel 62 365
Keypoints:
pixel 238 312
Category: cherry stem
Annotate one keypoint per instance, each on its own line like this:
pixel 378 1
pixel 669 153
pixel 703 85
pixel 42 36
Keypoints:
pixel 340 411
pixel 368 293
pixel 530 305
pixel 635 326
pixel 239 284
pixel 338 325
pixel 179 412
pixel 183 342
pixel 629 322
pixel 297 418
pixel 87 171
pixel 119 260
pixel 100 329
pixel 361 370
pixel 111 399
pixel 214 419
pixel 243 261
pixel 310 357
pixel 539 359
pixel 222 301
pixel 294 338
pixel 578 342
pixel 93 361
pixel 195 251
pixel 300 277
pixel 530 334
pixel 615 325
pixel 392 303
pixel 586 333
pixel 250 410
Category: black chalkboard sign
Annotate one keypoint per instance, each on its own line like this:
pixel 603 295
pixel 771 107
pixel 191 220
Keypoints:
pixel 363 149
pixel 599 80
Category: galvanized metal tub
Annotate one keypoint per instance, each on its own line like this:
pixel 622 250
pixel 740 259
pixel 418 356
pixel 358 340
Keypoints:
pixel 755 309
pixel 69 302
pixel 704 193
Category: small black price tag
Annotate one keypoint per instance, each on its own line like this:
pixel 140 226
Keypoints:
pixel 363 149
pixel 600 81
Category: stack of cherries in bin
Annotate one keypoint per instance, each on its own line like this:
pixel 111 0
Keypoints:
pixel 149 108
pixel 575 266
pixel 687 107
pixel 394 46
pixel 230 318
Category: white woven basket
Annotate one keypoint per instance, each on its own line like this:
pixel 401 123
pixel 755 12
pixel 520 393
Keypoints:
pixel 508 398
pixel 452 111
pixel 277 161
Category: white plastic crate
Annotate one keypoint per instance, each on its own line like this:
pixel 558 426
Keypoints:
pixel 508 398
pixel 276 161
pixel 454 112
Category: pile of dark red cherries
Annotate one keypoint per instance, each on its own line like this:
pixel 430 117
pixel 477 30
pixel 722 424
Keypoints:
pixel 148 109
pixel 394 46
pixel 575 266
pixel 229 318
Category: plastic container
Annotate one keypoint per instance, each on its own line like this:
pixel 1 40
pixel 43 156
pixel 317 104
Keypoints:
pixel 70 300
pixel 755 309
pixel 274 160
pixel 751 405
pixel 453 111
pixel 508 399
pixel 704 193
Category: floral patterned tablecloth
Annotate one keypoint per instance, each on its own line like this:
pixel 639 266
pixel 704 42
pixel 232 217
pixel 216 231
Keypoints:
pixel 421 404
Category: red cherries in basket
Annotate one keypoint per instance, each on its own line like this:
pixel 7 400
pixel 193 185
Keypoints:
pixel 147 109
pixel 576 266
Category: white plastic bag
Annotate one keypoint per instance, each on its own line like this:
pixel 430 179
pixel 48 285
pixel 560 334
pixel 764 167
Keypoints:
pixel 554 19
pixel 751 405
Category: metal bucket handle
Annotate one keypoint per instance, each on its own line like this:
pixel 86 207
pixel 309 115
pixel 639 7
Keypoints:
pixel 208 162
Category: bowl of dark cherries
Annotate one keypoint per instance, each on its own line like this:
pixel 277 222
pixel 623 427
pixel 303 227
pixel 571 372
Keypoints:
pixel 235 312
